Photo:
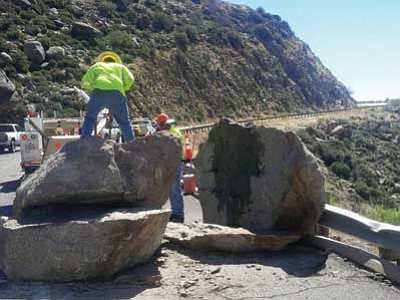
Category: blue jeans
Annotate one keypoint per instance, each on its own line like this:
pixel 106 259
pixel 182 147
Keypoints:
pixel 116 103
pixel 176 196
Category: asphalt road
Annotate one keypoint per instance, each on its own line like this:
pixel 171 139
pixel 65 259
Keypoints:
pixel 299 272
pixel 10 176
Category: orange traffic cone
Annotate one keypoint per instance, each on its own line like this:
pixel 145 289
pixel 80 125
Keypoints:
pixel 188 148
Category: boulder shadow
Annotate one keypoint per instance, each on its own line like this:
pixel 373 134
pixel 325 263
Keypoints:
pixel 297 259
pixel 9 186
pixel 125 285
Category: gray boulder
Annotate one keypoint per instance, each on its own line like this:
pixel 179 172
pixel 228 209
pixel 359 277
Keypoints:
pixel 258 178
pixel 7 88
pixel 34 51
pixel 93 171
pixel 80 245
pixel 5 58
pixel 208 237
pixel 85 31
pixel 55 53
pixel 22 3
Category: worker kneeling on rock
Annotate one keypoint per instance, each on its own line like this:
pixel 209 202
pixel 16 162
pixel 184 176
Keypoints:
pixel 107 81
pixel 176 196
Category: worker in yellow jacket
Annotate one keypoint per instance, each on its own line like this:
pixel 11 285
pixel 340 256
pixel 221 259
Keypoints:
pixel 176 195
pixel 107 81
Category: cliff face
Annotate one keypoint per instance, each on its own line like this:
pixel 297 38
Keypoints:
pixel 196 59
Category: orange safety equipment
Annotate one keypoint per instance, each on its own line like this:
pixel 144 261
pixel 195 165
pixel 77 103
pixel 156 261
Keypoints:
pixel 188 148
pixel 162 118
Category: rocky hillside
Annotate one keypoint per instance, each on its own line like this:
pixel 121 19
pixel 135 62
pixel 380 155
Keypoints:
pixel 362 159
pixel 196 59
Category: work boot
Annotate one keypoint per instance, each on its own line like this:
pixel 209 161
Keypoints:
pixel 177 219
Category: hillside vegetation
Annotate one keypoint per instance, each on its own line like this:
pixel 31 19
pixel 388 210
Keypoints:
pixel 196 60
pixel 363 163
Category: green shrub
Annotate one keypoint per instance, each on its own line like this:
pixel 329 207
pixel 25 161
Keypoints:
pixel 191 33
pixel 143 22
pixel 386 215
pixel 341 169
pixel 181 40
pixel 118 40
pixel 163 22
pixel 107 8
pixel 21 62
pixel 234 40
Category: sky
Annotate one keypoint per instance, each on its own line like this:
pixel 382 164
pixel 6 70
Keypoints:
pixel 358 40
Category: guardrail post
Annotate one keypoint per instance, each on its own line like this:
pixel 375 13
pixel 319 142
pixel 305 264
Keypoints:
pixel 321 230
pixel 390 255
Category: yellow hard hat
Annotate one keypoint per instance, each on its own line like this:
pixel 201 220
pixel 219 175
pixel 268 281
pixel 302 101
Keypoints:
pixel 108 54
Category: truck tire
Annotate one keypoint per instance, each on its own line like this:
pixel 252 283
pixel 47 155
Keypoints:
pixel 12 147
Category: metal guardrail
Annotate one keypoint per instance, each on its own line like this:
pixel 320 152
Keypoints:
pixel 384 235
pixel 208 127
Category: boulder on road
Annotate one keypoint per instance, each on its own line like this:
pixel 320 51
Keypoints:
pixel 85 31
pixel 200 236
pixel 34 51
pixel 259 178
pixel 7 88
pixel 55 53
pixel 80 245
pixel 93 171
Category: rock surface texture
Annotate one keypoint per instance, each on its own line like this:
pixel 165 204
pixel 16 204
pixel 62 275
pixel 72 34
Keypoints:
pixel 85 31
pixel 91 210
pixel 35 51
pixel 91 244
pixel 258 178
pixel 200 236
pixel 7 88
pixel 96 171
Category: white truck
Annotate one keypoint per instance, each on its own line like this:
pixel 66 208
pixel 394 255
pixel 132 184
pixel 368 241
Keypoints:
pixel 31 145
pixel 10 137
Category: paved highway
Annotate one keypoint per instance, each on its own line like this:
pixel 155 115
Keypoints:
pixel 10 176
pixel 298 272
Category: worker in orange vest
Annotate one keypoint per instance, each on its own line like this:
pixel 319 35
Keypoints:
pixel 165 123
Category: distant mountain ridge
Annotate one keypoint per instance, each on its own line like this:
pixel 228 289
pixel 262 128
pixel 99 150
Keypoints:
pixel 196 60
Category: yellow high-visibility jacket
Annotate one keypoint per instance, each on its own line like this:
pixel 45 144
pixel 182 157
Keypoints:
pixel 108 76
pixel 177 133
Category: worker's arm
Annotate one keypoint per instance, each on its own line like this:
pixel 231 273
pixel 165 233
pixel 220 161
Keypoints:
pixel 88 80
pixel 127 78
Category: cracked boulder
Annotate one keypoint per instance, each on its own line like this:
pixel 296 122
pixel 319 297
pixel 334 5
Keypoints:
pixel 261 179
pixel 93 171
pixel 209 237
pixel 80 244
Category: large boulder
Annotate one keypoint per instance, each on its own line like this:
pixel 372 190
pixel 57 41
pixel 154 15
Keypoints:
pixel 258 178
pixel 34 51
pixel 55 53
pixel 85 31
pixel 93 171
pixel 80 245
pixel 7 88
pixel 209 237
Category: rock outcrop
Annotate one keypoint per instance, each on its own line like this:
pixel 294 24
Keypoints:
pixel 97 171
pixel 85 245
pixel 209 237
pixel 7 88
pixel 55 53
pixel 35 51
pixel 85 31
pixel 259 178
